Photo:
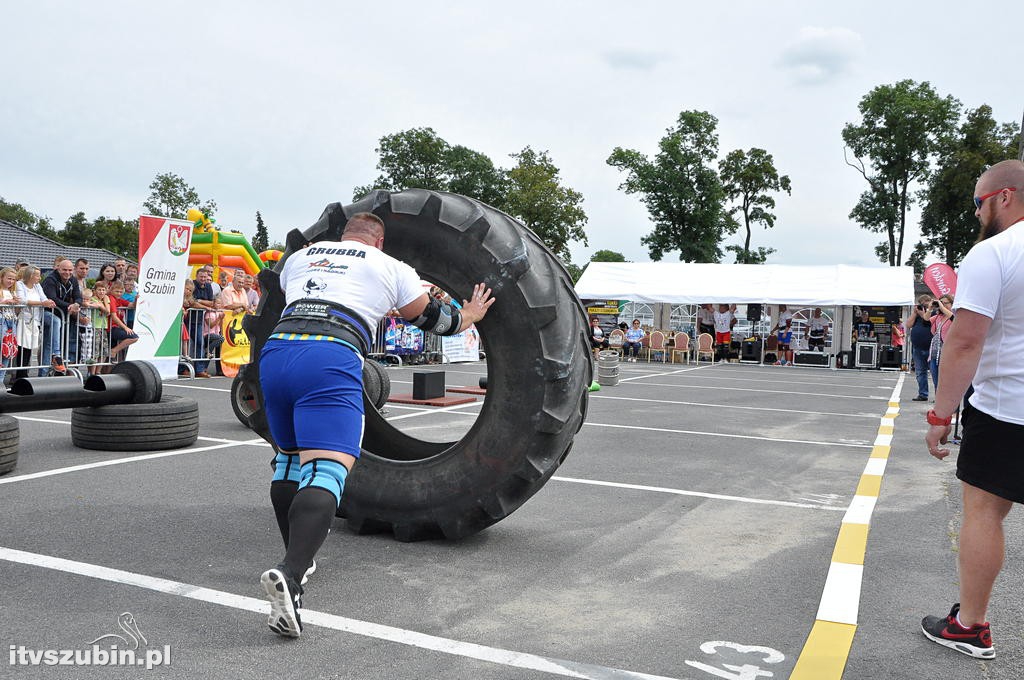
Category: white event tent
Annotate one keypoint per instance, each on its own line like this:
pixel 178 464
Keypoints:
pixel 805 286
pixel 839 286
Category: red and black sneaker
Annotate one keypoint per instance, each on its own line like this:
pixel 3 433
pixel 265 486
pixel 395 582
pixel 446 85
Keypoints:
pixel 975 641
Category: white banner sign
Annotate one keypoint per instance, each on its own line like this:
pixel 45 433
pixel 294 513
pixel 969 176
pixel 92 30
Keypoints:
pixel 163 268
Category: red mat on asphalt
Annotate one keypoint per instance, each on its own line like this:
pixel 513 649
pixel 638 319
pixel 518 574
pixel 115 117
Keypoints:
pixel 467 390
pixel 439 401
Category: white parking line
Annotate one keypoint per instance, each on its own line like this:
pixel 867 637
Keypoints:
pixel 783 380
pixel 376 631
pixel 700 494
pixel 749 389
pixel 747 408
pixel 196 387
pixel 132 459
pixel 655 375
pixel 734 436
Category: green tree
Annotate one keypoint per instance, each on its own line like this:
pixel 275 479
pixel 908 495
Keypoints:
pixel 419 158
pixel 607 256
pixel 682 192
pixel 473 174
pixel 115 234
pixel 748 179
pixel 536 196
pixel 172 196
pixel 262 238
pixel 19 215
pixel 948 225
pixel 118 235
pixel 902 126
pixel 747 256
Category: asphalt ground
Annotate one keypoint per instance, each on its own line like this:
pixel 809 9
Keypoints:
pixel 688 535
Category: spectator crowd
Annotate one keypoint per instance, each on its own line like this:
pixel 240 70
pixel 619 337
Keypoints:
pixel 203 307
pixel 65 318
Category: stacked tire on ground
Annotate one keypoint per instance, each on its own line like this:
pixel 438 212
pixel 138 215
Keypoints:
pixel 539 369
pixel 8 444
pixel 152 421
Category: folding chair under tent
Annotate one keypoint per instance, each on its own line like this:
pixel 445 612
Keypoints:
pixel 840 286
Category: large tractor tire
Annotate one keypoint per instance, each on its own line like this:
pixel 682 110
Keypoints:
pixel 376 383
pixel 243 401
pixel 538 357
pixel 9 437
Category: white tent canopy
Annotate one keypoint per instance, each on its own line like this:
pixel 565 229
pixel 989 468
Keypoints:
pixel 807 286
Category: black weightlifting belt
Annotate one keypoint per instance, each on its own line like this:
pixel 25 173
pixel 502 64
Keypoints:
pixel 322 317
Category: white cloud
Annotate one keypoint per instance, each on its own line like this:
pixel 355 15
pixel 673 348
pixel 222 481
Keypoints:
pixel 820 54
pixel 640 60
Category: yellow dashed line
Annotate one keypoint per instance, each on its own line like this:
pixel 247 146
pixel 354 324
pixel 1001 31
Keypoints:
pixel 869 485
pixel 828 646
pixel 825 653
pixel 851 544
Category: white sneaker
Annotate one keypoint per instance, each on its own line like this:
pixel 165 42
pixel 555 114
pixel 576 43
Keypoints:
pixel 284 603
pixel 309 572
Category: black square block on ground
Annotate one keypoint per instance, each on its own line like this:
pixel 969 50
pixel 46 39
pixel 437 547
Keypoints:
pixel 427 384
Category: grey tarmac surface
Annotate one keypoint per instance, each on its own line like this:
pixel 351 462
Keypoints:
pixel 687 536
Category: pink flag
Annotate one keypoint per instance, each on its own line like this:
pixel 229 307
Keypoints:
pixel 940 279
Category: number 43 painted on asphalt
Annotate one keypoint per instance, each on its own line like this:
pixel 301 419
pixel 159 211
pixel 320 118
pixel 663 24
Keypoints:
pixel 744 672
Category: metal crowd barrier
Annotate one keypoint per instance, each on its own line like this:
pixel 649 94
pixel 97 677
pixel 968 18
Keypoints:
pixel 30 348
pixel 77 343
pixel 200 339
pixel 432 349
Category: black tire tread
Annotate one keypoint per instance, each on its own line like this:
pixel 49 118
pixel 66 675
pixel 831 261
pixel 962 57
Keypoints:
pixel 171 423
pixel 541 381
pixel 10 435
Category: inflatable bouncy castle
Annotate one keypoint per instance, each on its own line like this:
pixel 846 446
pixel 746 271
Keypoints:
pixel 226 249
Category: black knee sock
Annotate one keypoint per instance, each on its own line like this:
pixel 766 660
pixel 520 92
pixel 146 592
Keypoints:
pixel 282 492
pixel 309 520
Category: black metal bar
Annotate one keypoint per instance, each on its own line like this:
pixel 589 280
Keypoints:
pixel 43 394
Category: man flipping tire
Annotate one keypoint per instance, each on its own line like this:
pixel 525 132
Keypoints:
pixel 311 376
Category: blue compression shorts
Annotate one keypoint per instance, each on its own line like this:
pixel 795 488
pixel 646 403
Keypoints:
pixel 313 395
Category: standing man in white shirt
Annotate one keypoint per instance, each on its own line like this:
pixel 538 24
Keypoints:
pixel 984 348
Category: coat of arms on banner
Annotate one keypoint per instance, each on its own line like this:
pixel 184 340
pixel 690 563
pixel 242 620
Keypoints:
pixel 178 237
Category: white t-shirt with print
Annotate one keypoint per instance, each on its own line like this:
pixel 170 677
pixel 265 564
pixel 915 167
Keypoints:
pixel 723 321
pixel 361 277
pixel 990 282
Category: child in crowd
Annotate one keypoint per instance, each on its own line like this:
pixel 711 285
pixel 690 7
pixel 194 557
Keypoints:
pixel 85 334
pixel 130 295
pixel 725 319
pixel 121 334
pixel 8 319
pixel 107 327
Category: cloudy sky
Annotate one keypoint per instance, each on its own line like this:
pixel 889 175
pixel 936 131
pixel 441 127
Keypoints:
pixel 278 107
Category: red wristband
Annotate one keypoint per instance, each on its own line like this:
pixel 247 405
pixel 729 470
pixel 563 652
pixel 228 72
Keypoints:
pixel 935 420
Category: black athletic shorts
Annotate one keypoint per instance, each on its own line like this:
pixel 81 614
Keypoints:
pixel 992 455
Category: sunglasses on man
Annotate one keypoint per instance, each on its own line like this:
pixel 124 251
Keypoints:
pixel 978 200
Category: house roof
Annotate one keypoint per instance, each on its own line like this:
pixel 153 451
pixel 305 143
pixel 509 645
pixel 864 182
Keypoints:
pixel 19 243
